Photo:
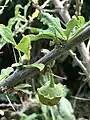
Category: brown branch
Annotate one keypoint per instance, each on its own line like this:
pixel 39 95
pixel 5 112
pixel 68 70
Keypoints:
pixel 22 74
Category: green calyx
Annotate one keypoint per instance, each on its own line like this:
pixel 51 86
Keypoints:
pixel 50 94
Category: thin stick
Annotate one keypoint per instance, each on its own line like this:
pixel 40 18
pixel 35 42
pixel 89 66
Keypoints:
pixel 79 98
pixel 73 55
pixel 14 55
pixel 10 102
pixel 78 92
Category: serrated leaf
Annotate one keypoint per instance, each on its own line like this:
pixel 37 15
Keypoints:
pixel 6 34
pixel 47 34
pixel 49 20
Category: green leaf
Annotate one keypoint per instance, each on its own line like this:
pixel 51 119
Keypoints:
pixel 73 25
pixel 17 19
pixel 17 9
pixel 5 72
pixel 69 27
pixel 81 20
pixel 81 28
pixel 6 34
pixel 22 86
pixel 25 45
pixel 40 66
pixel 66 110
pixel 34 30
pixel 47 34
pixel 17 22
pixel 26 91
pixel 29 117
pixel 2 43
pixel 49 20
pixel 11 22
pixel 26 8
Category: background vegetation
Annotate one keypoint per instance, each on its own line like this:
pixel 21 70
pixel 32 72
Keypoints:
pixel 44 61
